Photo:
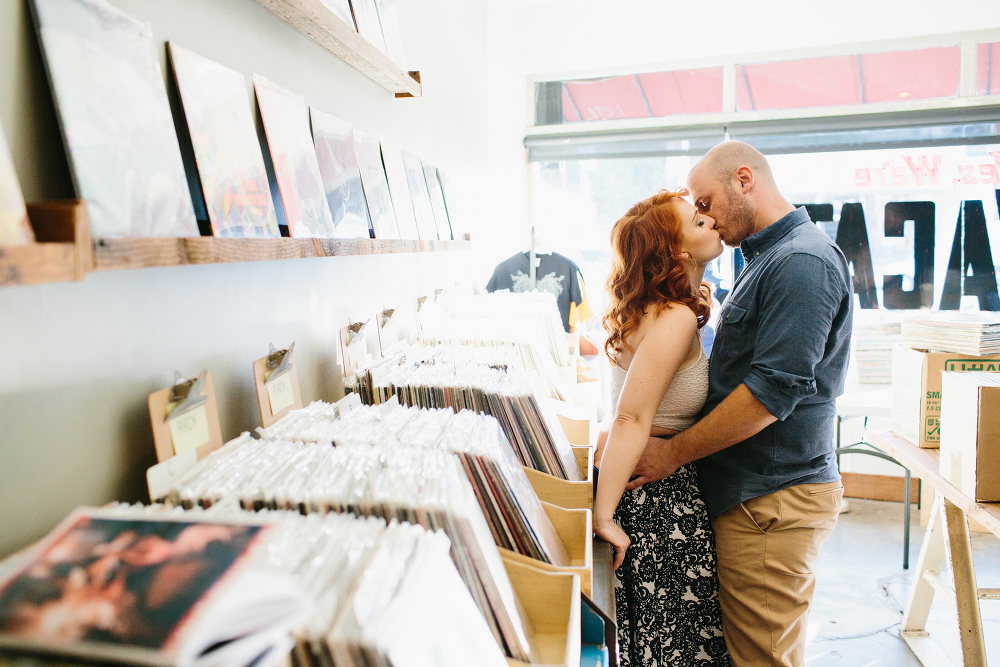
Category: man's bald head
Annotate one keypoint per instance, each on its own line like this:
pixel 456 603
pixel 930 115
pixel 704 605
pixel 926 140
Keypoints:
pixel 724 159
pixel 733 184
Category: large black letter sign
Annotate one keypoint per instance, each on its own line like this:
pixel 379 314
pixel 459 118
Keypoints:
pixel 922 215
pixel 852 237
pixel 975 246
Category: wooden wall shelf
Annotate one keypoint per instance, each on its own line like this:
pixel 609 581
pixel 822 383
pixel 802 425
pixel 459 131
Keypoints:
pixel 135 253
pixel 60 255
pixel 316 21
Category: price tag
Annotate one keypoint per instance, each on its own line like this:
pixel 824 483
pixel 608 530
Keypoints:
pixel 190 430
pixel 280 393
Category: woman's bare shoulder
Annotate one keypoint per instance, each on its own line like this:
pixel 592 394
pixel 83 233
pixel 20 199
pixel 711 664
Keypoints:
pixel 671 316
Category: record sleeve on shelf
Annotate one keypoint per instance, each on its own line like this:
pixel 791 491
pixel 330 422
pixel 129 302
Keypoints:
pixel 422 210
pixel 342 8
pixel 366 18
pixel 437 203
pixel 338 167
pixel 230 165
pixel 375 185
pixel 286 124
pixel 399 191
pixel 116 124
pixel 386 11
pixel 445 184
pixel 14 226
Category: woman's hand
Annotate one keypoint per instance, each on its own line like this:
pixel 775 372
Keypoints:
pixel 609 531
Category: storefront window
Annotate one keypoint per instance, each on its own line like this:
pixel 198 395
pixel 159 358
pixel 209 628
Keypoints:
pixel 988 69
pixel 920 226
pixel 868 78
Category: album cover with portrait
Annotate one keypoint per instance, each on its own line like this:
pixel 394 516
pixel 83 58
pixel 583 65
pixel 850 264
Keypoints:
pixel 159 591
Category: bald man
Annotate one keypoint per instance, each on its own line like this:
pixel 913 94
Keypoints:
pixel 764 445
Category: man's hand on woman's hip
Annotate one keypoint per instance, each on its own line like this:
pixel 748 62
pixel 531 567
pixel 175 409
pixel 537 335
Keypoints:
pixel 657 462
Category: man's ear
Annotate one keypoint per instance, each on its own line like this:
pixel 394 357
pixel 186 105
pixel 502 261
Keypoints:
pixel 744 176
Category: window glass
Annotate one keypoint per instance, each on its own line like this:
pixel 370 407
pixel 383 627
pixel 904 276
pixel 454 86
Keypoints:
pixel 646 95
pixel 868 78
pixel 988 69
pixel 920 226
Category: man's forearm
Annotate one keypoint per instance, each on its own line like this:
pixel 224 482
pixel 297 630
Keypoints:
pixel 737 418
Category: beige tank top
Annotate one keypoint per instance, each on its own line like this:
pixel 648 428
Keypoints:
pixel 684 398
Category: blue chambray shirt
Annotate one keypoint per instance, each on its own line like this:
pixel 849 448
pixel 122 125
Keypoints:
pixel 785 332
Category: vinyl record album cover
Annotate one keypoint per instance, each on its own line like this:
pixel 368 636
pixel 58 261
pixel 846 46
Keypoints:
pixel 421 197
pixel 115 119
pixel 286 124
pixel 103 587
pixel 375 185
pixel 226 151
pixel 399 190
pixel 342 8
pixel 386 10
pixel 367 20
pixel 445 184
pixel 437 202
pixel 338 167
pixel 14 226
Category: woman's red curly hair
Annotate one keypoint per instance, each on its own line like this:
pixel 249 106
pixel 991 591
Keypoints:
pixel 648 268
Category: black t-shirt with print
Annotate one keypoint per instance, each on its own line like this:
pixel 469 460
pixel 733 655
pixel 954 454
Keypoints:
pixel 555 274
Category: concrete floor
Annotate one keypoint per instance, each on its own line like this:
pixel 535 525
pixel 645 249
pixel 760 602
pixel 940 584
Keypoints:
pixel 861 590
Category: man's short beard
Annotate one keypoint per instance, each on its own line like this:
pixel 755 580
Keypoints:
pixel 742 214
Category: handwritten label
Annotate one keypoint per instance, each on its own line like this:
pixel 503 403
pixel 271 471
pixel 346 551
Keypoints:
pixel 190 430
pixel 280 393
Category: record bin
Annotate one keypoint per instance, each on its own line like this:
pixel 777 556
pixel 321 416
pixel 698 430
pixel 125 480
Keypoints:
pixel 551 602
pixel 575 529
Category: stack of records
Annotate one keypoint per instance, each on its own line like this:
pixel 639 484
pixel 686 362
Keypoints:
pixel 873 344
pixel 362 476
pixel 525 317
pixel 484 380
pixel 512 508
pixel 365 583
pixel 976 334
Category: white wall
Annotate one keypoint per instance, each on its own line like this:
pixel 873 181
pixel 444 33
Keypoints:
pixel 581 37
pixel 80 358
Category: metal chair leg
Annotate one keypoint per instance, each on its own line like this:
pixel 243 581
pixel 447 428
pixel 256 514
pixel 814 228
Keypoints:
pixel 906 519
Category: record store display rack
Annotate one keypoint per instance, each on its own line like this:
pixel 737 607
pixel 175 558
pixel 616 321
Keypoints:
pixel 387 532
pixel 167 167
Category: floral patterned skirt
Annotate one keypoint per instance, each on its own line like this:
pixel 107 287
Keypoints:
pixel 667 590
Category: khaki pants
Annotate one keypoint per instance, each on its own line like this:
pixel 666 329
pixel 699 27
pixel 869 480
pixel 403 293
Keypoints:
pixel 766 548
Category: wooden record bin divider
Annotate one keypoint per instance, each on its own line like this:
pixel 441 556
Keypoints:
pixel 575 528
pixel 564 493
pixel 551 602
pixel 62 251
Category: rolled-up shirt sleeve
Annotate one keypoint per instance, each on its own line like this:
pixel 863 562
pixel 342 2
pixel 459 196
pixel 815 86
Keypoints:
pixel 799 301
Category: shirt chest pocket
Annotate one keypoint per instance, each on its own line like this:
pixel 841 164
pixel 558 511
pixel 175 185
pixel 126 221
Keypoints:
pixel 736 329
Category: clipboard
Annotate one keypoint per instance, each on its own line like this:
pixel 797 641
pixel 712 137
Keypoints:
pixel 185 421
pixel 277 382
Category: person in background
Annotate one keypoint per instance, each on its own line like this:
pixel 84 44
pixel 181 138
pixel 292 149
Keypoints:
pixel 764 445
pixel 666 592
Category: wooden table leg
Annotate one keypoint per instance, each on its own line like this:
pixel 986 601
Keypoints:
pixel 970 624
pixel 931 561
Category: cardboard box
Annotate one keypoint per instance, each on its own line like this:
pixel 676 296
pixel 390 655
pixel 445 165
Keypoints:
pixel 970 434
pixel 916 390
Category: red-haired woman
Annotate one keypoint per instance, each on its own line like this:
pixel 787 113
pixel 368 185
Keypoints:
pixel 666 591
